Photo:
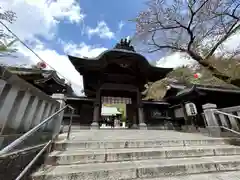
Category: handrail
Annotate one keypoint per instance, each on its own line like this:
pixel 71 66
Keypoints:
pixel 30 132
pixel 220 112
pixel 228 129
pixel 33 161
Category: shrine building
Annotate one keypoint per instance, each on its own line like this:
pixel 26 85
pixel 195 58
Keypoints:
pixel 118 75
pixel 45 80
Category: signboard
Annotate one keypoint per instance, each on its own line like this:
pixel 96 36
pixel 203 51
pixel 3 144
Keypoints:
pixel 191 109
pixel 116 100
pixel 156 114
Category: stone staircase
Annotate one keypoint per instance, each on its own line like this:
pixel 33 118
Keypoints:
pixel 140 154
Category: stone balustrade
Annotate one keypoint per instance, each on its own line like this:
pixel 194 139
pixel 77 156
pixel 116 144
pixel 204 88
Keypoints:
pixel 23 106
pixel 214 118
pixel 230 121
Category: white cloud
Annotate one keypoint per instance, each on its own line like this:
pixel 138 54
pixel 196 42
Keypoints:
pixel 179 59
pixel 232 44
pixel 83 50
pixel 58 61
pixel 120 25
pixel 102 30
pixel 175 60
pixel 35 17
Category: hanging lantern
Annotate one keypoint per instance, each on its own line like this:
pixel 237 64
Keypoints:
pixel 197 75
pixel 41 65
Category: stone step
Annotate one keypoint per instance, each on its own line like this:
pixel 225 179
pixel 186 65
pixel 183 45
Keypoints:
pixel 119 144
pixel 139 169
pixel 132 154
pixel 232 175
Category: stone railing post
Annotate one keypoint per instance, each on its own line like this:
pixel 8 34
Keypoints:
pixel 46 113
pixel 50 125
pixel 39 113
pixel 228 120
pixel 17 113
pixel 7 100
pixel 29 114
pixel 211 120
pixel 57 122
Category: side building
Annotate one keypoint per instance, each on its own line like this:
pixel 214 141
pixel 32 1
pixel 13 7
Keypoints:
pixel 45 80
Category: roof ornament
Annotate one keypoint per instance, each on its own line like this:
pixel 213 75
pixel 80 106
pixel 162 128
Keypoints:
pixel 125 44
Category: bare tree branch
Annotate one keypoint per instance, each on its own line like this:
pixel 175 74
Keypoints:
pixel 231 31
pixel 199 28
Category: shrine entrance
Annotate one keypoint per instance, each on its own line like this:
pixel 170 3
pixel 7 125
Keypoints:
pixel 116 112
pixel 117 75
pixel 126 95
pixel 119 95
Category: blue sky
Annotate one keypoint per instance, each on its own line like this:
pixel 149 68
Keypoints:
pixel 114 13
pixel 83 28
pixel 76 27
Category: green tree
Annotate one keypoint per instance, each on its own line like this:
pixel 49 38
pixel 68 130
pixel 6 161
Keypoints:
pixel 6 41
pixel 199 28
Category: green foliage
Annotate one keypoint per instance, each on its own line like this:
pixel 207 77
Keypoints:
pixel 121 108
pixel 185 75
pixel 182 74
pixel 6 47
pixel 6 41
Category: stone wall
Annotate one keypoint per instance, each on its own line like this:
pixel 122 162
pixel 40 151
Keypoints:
pixel 22 106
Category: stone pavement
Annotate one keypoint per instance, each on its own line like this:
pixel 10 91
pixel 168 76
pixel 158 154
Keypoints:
pixel 139 154
pixel 208 176
pixel 127 134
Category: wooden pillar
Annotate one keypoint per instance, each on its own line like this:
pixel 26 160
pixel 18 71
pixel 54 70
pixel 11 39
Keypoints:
pixel 142 124
pixel 134 126
pixel 141 118
pixel 134 108
pixel 96 111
